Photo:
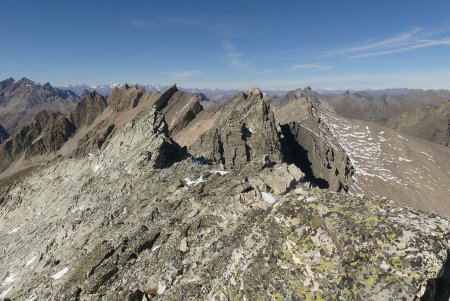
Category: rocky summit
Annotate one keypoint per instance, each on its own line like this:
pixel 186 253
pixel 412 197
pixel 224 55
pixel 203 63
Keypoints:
pixel 232 217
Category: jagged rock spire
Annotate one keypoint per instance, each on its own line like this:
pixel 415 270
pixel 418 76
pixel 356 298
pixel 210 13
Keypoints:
pixel 246 131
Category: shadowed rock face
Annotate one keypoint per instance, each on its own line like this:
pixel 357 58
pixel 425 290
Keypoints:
pixel 181 109
pixel 245 131
pixel 312 146
pixel 3 134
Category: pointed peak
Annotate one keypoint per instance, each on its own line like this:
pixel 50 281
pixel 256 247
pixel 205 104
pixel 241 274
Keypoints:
pixel 254 92
pixel 26 80
pixel 6 82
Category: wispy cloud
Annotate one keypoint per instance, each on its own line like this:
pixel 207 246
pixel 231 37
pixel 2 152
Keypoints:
pixel 183 74
pixel 313 67
pixel 399 43
pixel 234 58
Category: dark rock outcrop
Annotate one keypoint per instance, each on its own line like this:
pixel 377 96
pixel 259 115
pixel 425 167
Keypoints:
pixel 3 134
pixel 180 109
pixel 125 98
pixel 245 131
pixel 311 145
pixel 88 109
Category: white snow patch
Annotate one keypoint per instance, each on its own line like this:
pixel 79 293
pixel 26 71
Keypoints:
pixel 311 199
pixel 14 230
pixel 3 295
pixel 77 209
pixel 267 197
pixel 10 279
pixel 220 172
pixel 30 261
pixel 97 167
pixel 177 113
pixel 404 159
pixel 252 130
pixel 61 273
pixel 156 248
pixel 190 182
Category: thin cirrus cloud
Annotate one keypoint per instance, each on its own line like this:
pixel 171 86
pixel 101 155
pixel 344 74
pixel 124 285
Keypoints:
pixel 183 74
pixel 233 57
pixel 399 43
pixel 313 67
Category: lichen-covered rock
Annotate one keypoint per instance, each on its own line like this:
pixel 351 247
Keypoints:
pixel 245 131
pixel 210 241
pixel 279 179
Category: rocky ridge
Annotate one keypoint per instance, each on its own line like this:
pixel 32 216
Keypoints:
pixel 244 132
pixel 322 157
pixel 143 220
pixel 92 122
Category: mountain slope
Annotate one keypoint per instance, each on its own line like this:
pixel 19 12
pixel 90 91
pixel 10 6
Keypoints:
pixel 20 100
pixel 431 123
pixel 372 105
pixel 141 220
pixel 380 161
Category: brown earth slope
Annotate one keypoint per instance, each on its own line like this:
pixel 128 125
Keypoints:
pixel 431 123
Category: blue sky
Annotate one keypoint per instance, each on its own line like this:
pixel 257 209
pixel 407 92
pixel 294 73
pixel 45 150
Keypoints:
pixel 237 44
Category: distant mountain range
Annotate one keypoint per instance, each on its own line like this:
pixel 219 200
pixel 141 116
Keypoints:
pixel 20 100
pixel 421 113
pixel 407 110
pixel 106 89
